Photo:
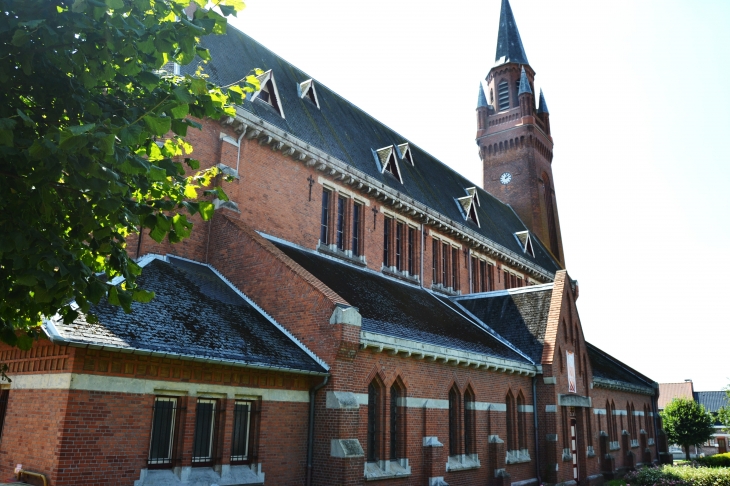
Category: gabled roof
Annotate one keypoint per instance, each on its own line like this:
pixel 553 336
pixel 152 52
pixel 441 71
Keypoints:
pixel 348 134
pixel 195 314
pixel 614 374
pixel 670 391
pixel 712 400
pixel 509 43
pixel 393 308
pixel 518 315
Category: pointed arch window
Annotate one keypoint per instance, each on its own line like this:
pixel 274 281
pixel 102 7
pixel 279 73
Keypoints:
pixel 269 93
pixel 521 423
pixel 503 95
pixel 309 92
pixel 453 421
pixel 469 422
pixel 375 397
pixel 386 160
pixel 397 422
pixel 511 412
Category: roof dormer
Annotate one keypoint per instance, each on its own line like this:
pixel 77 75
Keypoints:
pixel 387 161
pixel 309 92
pixel 469 205
pixel 525 242
pixel 405 153
pixel 268 93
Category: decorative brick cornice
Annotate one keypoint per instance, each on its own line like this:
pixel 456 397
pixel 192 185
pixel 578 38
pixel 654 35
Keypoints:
pixel 622 386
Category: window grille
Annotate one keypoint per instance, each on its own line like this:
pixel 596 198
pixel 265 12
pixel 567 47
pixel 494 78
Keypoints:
pixel 162 439
pixel 503 94
pixel 340 223
pixel 324 228
pixel 241 431
pixel 204 437
pixel 356 212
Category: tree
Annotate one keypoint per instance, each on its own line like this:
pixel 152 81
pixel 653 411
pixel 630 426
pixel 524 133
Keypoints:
pixel 686 423
pixel 723 414
pixel 92 145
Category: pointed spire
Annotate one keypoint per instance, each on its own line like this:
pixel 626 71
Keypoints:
pixel 509 44
pixel 542 108
pixel 524 83
pixel 482 102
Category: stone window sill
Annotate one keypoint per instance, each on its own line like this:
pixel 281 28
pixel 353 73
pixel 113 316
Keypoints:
pixel 590 452
pixel 202 476
pixel 614 446
pixel 444 290
pixel 404 275
pixel 346 255
pixel 518 456
pixel 634 444
pixel 650 442
pixel 463 462
pixel 398 468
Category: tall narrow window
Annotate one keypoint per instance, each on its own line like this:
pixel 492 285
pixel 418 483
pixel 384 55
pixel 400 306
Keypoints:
pixel 510 402
pixel 324 227
pixel 469 423
pixel 475 287
pixel 162 437
pixel 435 260
pixel 444 268
pixel 4 396
pixel 519 282
pixel 386 241
pixel 399 246
pixel 512 281
pixel 506 279
pixel 454 266
pixel 589 427
pixel 340 223
pixel 411 251
pixel 241 431
pixel 503 94
pixel 356 214
pixel 204 437
pixel 397 423
pixel 490 277
pixel 453 421
pixel 373 418
pixel 521 425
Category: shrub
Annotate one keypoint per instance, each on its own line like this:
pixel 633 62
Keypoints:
pixel 718 460
pixel 679 476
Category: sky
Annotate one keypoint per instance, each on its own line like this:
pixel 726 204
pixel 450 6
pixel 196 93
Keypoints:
pixel 638 99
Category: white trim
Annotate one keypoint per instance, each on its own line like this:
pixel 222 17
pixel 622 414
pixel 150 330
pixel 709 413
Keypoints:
pixel 599 411
pixel 444 239
pixel 263 79
pixel 342 190
pixel 119 384
pixel 501 293
pixel 310 87
pixel 397 216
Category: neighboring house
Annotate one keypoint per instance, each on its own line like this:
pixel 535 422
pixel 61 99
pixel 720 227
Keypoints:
pixel 358 311
pixel 712 401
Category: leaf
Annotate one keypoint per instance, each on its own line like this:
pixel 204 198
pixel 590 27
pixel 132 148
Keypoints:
pixel 157 234
pixel 79 129
pixel 130 135
pixel 114 4
pixel 157 174
pixel 226 10
pixel 198 86
pixel 26 119
pixel 180 111
pixel 24 342
pixel 106 144
pixel 206 209
pixel 143 296
pixel 157 124
pixel 179 127
pixel 182 94
pixel 6 137
pixel 148 80
pixel 20 37
pixel 203 53
pixel 190 191
pixel 239 5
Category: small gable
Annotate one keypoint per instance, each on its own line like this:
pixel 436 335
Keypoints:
pixel 405 153
pixel 525 242
pixel 387 161
pixel 308 91
pixel 469 204
pixel 268 93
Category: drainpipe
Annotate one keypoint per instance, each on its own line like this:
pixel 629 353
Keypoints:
pixel 655 407
pixel 423 241
pixel 310 435
pixel 537 435
pixel 238 157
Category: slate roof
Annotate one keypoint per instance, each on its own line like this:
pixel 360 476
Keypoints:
pixel 712 400
pixel 349 134
pixel 399 310
pixel 670 391
pixel 519 316
pixel 509 43
pixel 606 366
pixel 195 314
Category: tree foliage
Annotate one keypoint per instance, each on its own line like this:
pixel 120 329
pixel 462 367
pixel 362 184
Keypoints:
pixel 723 414
pixel 687 423
pixel 92 145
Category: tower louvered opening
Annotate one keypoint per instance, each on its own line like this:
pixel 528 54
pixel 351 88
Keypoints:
pixel 503 93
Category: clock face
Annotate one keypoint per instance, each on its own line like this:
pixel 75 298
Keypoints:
pixel 505 178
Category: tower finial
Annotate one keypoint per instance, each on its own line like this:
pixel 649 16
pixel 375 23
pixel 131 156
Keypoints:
pixel 524 83
pixel 482 101
pixel 542 107
pixel 509 44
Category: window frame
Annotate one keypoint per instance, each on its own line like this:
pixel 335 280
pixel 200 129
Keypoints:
pixel 325 219
pixel 340 222
pixel 246 436
pixel 356 228
pixel 374 414
pixel 454 406
pixel 387 223
pixel 209 419
pixel 172 429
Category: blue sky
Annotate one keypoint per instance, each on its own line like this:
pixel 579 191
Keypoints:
pixel 638 96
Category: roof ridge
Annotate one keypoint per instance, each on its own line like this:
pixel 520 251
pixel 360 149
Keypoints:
pixel 626 367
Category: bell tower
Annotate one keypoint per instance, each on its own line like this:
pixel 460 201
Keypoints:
pixel 514 139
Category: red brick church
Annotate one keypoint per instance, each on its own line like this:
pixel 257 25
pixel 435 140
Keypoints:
pixel 357 311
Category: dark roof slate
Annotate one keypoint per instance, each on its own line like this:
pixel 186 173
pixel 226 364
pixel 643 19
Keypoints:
pixel 399 310
pixel 194 313
pixel 606 366
pixel 519 317
pixel 349 134
pixel 524 83
pixel 542 107
pixel 712 400
pixel 482 99
pixel 509 43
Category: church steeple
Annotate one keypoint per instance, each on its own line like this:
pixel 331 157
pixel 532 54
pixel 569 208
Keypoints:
pixel 509 44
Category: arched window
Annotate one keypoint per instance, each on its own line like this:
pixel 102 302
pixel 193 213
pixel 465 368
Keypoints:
pixel 609 422
pixel 613 422
pixel 550 209
pixel 510 401
pixel 397 421
pixel 453 421
pixel 562 364
pixel 521 423
pixel 469 423
pixel 375 412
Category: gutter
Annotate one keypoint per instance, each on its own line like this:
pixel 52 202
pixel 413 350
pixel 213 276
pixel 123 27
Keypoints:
pixel 56 338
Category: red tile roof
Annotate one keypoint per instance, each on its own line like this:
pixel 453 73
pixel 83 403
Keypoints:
pixel 670 391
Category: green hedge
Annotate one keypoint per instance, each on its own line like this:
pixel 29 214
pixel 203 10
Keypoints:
pixel 679 476
pixel 718 460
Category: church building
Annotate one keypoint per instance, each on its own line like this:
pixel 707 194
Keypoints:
pixel 357 311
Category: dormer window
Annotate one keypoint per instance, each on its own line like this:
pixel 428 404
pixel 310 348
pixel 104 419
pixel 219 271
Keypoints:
pixel 405 152
pixel 525 242
pixel 469 205
pixel 308 91
pixel 387 161
pixel 268 92
pixel 503 94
